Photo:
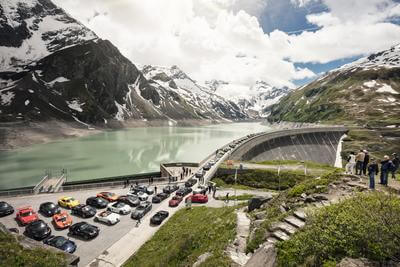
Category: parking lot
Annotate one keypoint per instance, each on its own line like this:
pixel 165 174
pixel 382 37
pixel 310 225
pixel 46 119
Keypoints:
pixel 86 250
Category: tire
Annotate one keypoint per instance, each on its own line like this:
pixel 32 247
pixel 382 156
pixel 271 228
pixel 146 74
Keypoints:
pixel 96 219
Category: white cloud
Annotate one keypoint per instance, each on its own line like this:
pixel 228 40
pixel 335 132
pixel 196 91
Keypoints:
pixel 219 39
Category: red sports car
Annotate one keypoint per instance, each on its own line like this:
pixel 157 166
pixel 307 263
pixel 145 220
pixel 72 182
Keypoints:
pixel 26 215
pixel 111 197
pixel 175 200
pixel 197 198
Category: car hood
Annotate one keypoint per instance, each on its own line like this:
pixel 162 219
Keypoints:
pixel 28 218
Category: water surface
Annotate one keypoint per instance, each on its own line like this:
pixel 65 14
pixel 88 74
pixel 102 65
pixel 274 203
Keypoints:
pixel 114 153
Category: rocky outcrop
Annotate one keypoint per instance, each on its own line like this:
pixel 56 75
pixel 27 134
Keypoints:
pixel 256 202
pixel 264 256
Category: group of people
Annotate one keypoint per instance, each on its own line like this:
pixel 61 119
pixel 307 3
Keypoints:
pixel 362 164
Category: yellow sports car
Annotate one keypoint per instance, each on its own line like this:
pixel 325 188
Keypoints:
pixel 68 202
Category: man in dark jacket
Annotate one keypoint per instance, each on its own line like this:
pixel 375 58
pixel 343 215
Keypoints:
pixel 366 161
pixel 373 169
pixel 396 163
pixel 386 167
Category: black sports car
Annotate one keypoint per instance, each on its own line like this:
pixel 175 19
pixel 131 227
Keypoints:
pixel 159 217
pixel 141 210
pixel 191 182
pixel 142 188
pixel 131 200
pixel 84 230
pixel 183 191
pixel 97 202
pixel 38 230
pixel 84 211
pixel 207 167
pixel 5 209
pixel 159 197
pixel 170 189
pixel 48 209
pixel 61 242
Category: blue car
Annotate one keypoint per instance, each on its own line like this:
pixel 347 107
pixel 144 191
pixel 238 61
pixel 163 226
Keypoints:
pixel 61 243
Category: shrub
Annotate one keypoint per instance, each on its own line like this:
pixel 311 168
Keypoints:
pixel 367 225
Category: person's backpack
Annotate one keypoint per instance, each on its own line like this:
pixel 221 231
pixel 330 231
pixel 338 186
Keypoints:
pixel 391 166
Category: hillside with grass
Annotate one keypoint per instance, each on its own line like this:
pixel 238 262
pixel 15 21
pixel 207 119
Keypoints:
pixel 366 92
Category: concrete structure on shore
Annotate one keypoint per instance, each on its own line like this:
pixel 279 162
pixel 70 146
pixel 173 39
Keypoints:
pixel 308 144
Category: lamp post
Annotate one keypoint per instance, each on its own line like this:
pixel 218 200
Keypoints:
pixel 235 184
pixel 305 167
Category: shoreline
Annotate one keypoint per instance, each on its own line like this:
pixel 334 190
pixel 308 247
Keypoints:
pixel 18 135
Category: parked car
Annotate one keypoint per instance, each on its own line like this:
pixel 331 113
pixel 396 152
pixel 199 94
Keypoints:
pixel 5 209
pixel 169 189
pixel 183 191
pixel 97 202
pixel 48 209
pixel 68 202
pixel 159 217
pixel 131 200
pixel 212 162
pixel 84 211
pixel 142 196
pixel 200 190
pixel 159 197
pixel 141 210
pixel 191 182
pixel 26 215
pixel 62 220
pixel 84 230
pixel 142 188
pixel 37 230
pixel 199 174
pixel 232 145
pixel 61 243
pixel 119 207
pixel 107 217
pixel 207 167
pixel 109 196
pixel 226 149
pixel 197 198
pixel 175 201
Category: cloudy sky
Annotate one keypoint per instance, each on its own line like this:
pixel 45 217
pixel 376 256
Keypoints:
pixel 283 42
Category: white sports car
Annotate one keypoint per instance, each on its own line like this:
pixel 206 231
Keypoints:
pixel 142 196
pixel 119 207
pixel 107 217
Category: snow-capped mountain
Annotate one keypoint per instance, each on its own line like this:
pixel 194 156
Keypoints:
pixel 366 91
pixel 205 104
pixel 52 67
pixel 254 100
pixel 33 29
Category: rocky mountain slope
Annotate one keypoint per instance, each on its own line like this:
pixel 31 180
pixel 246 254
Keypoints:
pixel 365 92
pixel 53 67
pixel 255 100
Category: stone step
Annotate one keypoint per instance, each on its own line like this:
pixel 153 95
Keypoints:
pixel 284 227
pixel 272 240
pixel 300 215
pixel 294 221
pixel 326 203
pixel 280 235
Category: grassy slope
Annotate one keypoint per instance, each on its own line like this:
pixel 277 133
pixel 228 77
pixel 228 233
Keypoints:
pixel 13 254
pixel 186 236
pixel 367 225
pixel 342 98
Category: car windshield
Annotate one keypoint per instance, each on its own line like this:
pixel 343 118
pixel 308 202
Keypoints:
pixel 119 205
pixel 86 208
pixel 26 213
pixel 69 199
pixel 63 219
pixel 60 241
pixel 3 205
pixel 50 205
pixel 84 226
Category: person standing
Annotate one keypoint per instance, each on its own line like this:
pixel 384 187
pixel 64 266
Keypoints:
pixel 396 163
pixel 351 162
pixel 214 190
pixel 359 162
pixel 155 190
pixel 365 163
pixel 386 167
pixel 227 197
pixel 373 169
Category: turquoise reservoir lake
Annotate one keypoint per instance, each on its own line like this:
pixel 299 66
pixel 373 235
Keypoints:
pixel 113 153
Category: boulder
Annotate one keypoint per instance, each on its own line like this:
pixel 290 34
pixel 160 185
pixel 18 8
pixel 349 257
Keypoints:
pixel 320 197
pixel 257 223
pixel 265 256
pixel 309 199
pixel 349 262
pixel 256 202
pixel 260 215
pixel 202 258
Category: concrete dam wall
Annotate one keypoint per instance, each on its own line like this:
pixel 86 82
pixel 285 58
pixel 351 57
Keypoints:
pixel 308 144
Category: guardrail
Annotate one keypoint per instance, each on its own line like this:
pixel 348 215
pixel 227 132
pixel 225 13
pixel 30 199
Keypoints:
pixel 59 183
pixel 17 192
pixel 78 187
